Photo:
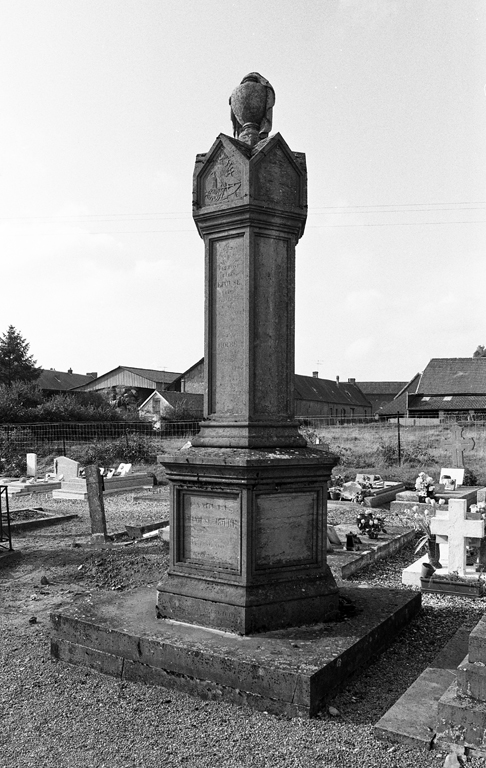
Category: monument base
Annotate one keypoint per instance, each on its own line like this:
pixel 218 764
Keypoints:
pixel 290 672
pixel 237 434
pixel 248 543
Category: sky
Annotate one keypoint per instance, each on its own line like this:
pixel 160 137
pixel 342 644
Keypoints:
pixel 104 106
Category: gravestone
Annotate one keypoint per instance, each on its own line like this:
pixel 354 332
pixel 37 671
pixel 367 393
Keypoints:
pixel 458 444
pixel 248 500
pixel 66 468
pixel 452 528
pixel 94 486
pixel 31 465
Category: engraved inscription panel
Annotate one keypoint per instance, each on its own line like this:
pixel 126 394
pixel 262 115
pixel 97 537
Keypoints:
pixel 227 326
pixel 222 182
pixel 211 530
pixel 273 308
pixel 286 529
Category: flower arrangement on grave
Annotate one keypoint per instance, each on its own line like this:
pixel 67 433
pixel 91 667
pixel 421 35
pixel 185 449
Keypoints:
pixel 370 524
pixel 335 486
pixel 421 522
pixel 365 491
pixel 424 485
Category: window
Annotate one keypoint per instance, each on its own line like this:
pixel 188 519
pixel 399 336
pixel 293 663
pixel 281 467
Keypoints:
pixel 447 397
pixel 425 398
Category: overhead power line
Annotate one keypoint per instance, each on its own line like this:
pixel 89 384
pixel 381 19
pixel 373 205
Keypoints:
pixel 330 209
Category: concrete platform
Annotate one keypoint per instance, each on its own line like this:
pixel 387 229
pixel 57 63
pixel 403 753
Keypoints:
pixel 75 487
pixel 413 718
pixel 411 574
pixel 25 489
pixel 289 672
pixel 344 564
pixel 40 522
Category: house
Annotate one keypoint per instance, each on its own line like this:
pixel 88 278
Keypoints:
pixel 191 380
pixel 51 381
pixel 379 393
pixel 312 396
pixel 170 405
pixel 450 387
pixel 326 398
pixel 129 387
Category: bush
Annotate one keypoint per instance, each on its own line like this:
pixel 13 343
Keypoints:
pixel 133 449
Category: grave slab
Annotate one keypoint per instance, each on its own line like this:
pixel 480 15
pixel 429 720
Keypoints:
pixel 75 488
pixel 413 718
pixel 344 563
pixel 411 574
pixel 290 672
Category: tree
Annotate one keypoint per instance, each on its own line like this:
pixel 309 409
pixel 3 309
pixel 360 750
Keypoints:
pixel 15 362
pixel 480 352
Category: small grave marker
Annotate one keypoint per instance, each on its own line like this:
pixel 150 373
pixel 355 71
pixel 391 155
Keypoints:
pixel 451 527
pixel 94 486
pixel 31 465
pixel 458 444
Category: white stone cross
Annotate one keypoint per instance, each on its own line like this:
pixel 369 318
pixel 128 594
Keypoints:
pixel 453 528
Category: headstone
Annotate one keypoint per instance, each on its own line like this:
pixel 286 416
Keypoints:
pixel 458 444
pixel 249 498
pixel 94 486
pixel 31 465
pixel 454 474
pixel 65 468
pixel 452 528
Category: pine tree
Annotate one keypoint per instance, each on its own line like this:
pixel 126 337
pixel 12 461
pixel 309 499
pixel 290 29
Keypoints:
pixel 15 362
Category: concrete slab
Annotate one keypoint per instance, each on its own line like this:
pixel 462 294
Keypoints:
pixel 290 671
pixel 413 718
pixel 411 574
pixel 40 522
pixel 344 564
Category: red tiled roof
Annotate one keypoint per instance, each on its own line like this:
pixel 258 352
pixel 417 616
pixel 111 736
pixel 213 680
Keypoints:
pixel 454 376
pixel 456 403
pixel 62 381
pixel 325 390
pixel 380 387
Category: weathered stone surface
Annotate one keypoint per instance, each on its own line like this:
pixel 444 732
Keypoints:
pixel 94 484
pixel 248 549
pixel 250 208
pixel 290 672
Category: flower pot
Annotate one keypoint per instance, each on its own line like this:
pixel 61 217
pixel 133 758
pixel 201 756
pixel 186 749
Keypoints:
pixel 335 495
pixel 427 571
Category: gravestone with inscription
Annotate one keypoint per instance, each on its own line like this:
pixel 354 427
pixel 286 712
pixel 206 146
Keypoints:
pixel 248 500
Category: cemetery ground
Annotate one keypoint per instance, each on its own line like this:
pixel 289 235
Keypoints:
pixel 53 714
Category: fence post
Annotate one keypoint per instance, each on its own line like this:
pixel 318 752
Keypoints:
pixel 398 439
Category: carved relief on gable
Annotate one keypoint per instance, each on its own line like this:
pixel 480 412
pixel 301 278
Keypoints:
pixel 222 180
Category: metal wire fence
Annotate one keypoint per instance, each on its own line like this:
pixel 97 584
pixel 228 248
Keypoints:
pixel 52 438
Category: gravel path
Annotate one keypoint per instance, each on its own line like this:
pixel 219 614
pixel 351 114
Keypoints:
pixel 52 714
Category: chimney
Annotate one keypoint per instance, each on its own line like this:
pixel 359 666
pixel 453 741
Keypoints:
pixel 351 381
pixel 337 380
pixel 315 374
pixel 70 370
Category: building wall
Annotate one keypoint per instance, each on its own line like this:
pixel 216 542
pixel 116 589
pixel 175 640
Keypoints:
pixel 318 408
pixel 194 381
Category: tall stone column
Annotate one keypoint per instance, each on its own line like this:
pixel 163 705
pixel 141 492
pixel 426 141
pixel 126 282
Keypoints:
pixel 248 501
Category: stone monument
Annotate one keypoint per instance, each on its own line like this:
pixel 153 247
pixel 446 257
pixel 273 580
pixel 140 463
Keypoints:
pixel 248 499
